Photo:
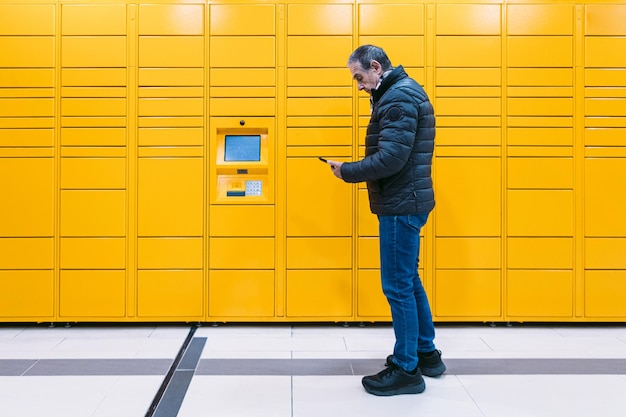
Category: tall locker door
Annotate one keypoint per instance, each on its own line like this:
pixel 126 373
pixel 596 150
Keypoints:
pixel 170 161
pixel 404 42
pixel 93 196
pixel 246 244
pixel 605 236
pixel 27 162
pixel 319 207
pixel 605 162
pixel 468 167
pixel 540 162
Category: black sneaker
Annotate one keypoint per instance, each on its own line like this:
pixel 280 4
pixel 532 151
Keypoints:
pixel 394 381
pixel 429 363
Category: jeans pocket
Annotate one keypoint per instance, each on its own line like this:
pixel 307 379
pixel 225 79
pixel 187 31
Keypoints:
pixel 417 221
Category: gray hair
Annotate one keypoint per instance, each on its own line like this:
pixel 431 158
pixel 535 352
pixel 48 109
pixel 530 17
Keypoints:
pixel 365 54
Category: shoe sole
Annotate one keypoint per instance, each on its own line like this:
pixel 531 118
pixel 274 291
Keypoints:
pixel 434 371
pixel 411 389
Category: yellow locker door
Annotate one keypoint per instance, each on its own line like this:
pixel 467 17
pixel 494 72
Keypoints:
pixel 605 197
pixel 27 295
pixel 170 197
pixel 320 267
pixel 540 294
pixel 468 197
pixel 371 302
pixel 605 228
pixel 318 204
pixel 241 294
pixel 316 294
pixel 469 294
pixel 168 294
pixel 319 253
pixel 92 294
pixel 91 213
pixel 27 190
pixel 604 294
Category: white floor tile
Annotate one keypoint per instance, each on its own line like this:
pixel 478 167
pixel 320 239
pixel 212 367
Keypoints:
pixel 229 354
pixel 371 342
pixel 612 330
pixel 548 395
pixel 282 330
pixel 258 343
pixel 61 396
pixel 128 347
pixel 352 354
pixel 344 396
pixel 10 332
pixel 556 343
pixel 27 346
pixel 238 396
pixel 85 332
pixel 129 396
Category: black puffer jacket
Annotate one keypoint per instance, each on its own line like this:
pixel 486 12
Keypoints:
pixel 399 149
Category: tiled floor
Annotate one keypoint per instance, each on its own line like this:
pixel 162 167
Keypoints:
pixel 306 370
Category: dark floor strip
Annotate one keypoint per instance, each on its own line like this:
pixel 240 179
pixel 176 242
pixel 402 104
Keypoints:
pixel 15 367
pixel 371 366
pixel 177 388
pixel 168 378
pixel 83 367
pixel 190 361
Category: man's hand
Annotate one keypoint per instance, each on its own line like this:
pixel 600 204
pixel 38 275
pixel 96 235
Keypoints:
pixel 335 166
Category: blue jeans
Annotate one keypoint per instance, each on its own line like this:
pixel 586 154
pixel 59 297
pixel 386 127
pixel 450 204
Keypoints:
pixel 410 310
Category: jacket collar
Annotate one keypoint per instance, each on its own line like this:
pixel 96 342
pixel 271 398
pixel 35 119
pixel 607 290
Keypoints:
pixel 394 76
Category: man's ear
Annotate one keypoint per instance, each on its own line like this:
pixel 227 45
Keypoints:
pixel 375 65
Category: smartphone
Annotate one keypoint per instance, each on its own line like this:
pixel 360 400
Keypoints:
pixel 323 160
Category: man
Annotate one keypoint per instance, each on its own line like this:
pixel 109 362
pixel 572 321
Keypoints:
pixel 397 168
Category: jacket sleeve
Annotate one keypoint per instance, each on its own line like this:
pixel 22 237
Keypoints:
pixel 397 128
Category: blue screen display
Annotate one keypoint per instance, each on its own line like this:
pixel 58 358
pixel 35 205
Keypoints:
pixel 242 148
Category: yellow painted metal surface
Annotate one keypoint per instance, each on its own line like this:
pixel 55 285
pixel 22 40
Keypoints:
pixel 92 293
pixel 241 253
pixel 171 19
pixel 170 293
pixel 114 184
pixel 93 19
pixel 171 51
pixel 540 293
pixel 371 301
pixel 27 188
pixel 92 253
pixel 321 253
pixel 174 185
pixel 408 19
pixel 540 253
pixel 27 294
pixel 468 293
pixel 540 19
pixel 235 295
pixel 316 295
pixel 24 253
pixel 605 205
pixel 319 19
pixel 604 294
pixel 242 19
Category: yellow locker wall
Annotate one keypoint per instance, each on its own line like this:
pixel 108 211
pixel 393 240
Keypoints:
pixel 170 160
pixel 28 131
pixel 109 112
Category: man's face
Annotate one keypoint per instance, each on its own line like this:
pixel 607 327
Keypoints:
pixel 366 79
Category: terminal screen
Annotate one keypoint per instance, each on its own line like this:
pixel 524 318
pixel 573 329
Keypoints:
pixel 242 148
